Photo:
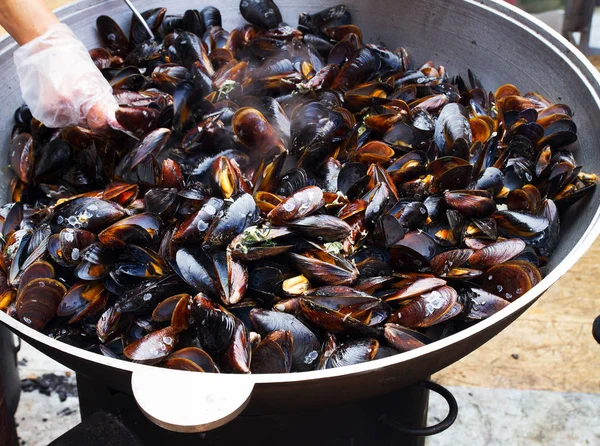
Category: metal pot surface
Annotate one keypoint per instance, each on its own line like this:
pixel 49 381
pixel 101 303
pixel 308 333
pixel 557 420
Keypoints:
pixel 495 40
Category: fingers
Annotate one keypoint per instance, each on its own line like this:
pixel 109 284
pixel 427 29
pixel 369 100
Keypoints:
pixel 61 84
pixel 102 117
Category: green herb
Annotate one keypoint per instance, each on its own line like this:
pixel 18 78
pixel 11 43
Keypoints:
pixel 363 128
pixel 254 235
pixel 334 248
pixel 227 87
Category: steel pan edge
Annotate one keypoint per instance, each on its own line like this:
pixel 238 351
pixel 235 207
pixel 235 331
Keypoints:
pixel 289 392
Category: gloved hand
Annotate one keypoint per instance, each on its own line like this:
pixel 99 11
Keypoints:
pixel 60 83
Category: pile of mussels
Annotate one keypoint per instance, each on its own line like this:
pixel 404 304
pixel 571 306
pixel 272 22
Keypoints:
pixel 280 199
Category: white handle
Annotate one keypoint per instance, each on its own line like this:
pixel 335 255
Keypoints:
pixel 190 401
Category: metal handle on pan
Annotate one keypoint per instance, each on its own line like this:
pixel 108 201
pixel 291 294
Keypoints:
pixel 190 402
pixel 429 430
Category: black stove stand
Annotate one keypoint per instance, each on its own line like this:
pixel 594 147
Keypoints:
pixel 113 419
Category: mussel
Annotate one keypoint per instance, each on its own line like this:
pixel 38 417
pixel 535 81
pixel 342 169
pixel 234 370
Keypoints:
pixel 277 198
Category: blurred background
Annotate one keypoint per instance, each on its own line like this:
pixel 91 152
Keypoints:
pixel 536 383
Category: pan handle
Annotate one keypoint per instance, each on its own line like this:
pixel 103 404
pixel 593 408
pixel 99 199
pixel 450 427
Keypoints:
pixel 429 430
pixel 182 401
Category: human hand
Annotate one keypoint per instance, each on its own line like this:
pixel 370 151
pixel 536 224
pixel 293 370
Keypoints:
pixel 60 83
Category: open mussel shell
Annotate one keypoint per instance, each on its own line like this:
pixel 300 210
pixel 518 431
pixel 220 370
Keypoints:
pixel 496 253
pixel 73 242
pixel 306 344
pixel 480 304
pixel 241 214
pixel 333 321
pixel 121 193
pixel 333 270
pixel 414 250
pixel 254 131
pixel 343 310
pixel 139 229
pixel 403 339
pixel 146 296
pixel 266 202
pixel 224 178
pixel 171 175
pixel 232 278
pixel 414 287
pixel 217 331
pixel 191 359
pixel 55 251
pixel 36 270
pixel 450 173
pixel 266 280
pixel 519 224
pixel 348 301
pixel 7 299
pixel 444 262
pixel 82 300
pixel 112 36
pixel 97 253
pixel 510 280
pixel 152 348
pixel 192 270
pixel 267 174
pixel 222 335
pixel 236 358
pixel 38 301
pixel 153 17
pixel 470 203
pixel 13 252
pixel 259 243
pixel 193 229
pixel 274 353
pixel 109 323
pixel 161 201
pixel 164 310
pixel 426 310
pixel 13 220
pixel 380 197
pixel 372 284
pixel 292 181
pixel 353 352
pixel 374 152
pixel 262 13
pixel 321 228
pixel 408 167
pixel 330 343
pixel 176 309
pixel 22 156
pixel 298 205
pixel 91 214
pixel 413 214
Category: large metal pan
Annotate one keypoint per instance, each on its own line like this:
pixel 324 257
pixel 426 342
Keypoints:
pixel 500 44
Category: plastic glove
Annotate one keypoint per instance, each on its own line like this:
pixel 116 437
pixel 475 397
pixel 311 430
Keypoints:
pixel 60 83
